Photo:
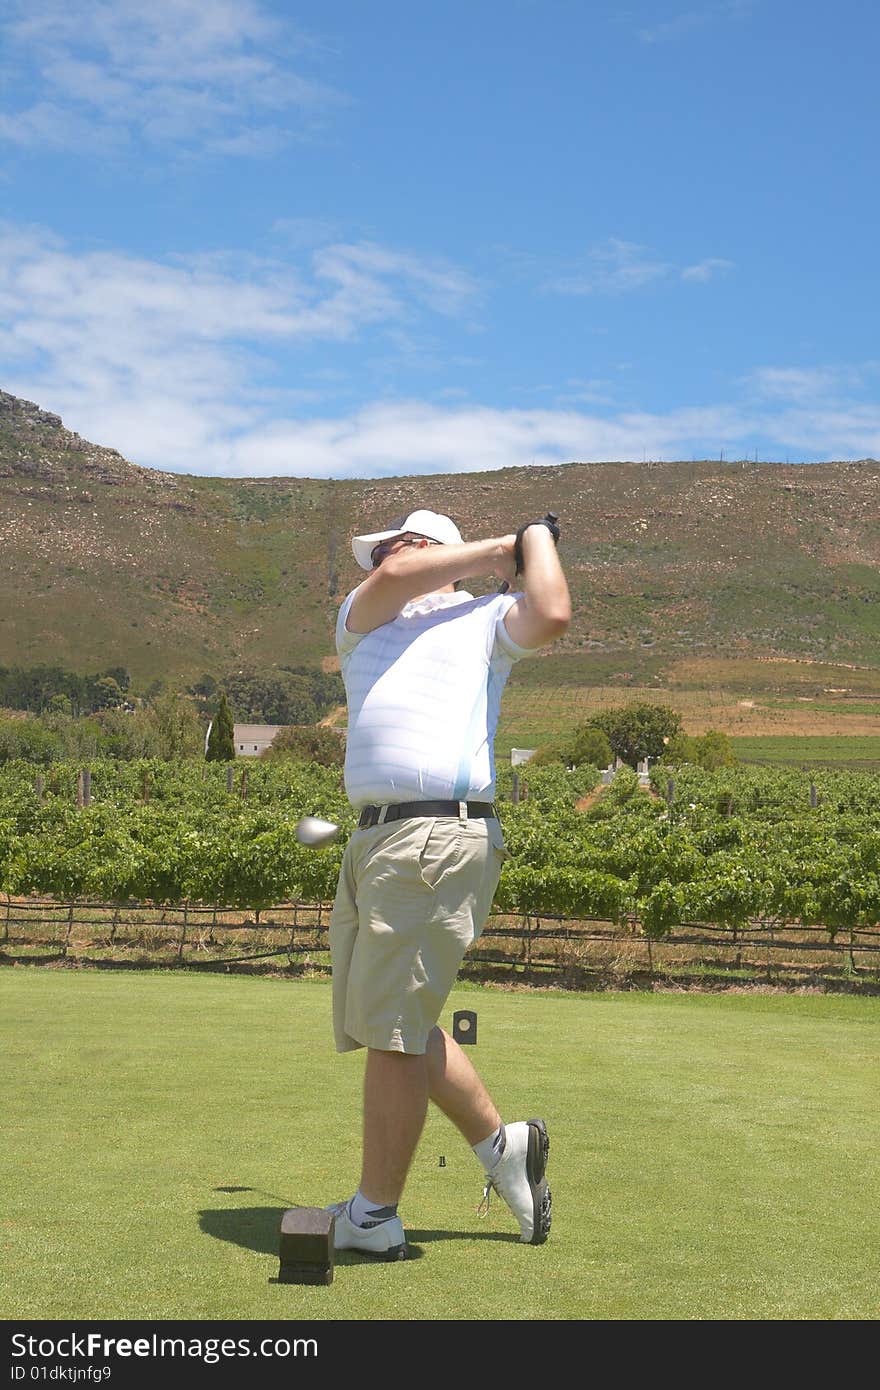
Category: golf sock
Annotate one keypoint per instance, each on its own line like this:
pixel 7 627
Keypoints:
pixel 489 1150
pixel 363 1212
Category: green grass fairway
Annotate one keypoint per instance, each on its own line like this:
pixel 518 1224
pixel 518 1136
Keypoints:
pixel 711 1157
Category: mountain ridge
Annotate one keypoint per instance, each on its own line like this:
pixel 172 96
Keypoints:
pixel 105 561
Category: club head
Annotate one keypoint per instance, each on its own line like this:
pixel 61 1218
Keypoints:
pixel 311 830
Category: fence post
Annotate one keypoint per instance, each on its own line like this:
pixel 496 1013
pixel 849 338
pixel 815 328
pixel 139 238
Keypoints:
pixel 69 929
pixel 182 935
pixel 852 960
pixel 813 795
pixel 291 943
pixel 87 786
pixel 515 789
pixel 244 784
pixel 229 776
pixel 79 790
pixel 38 787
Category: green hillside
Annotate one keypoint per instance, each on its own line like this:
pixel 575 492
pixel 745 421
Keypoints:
pixel 107 562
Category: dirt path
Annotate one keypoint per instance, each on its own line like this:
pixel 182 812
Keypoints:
pixel 590 799
pixel 332 719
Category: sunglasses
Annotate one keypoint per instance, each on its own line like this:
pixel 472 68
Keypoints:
pixel 385 547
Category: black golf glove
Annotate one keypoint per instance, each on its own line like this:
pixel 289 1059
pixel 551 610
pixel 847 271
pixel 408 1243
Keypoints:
pixel 551 521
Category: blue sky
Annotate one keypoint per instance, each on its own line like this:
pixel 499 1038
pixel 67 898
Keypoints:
pixel 352 240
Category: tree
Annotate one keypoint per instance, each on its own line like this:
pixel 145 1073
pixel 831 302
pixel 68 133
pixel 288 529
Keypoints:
pixel 205 688
pixel 637 731
pixel 27 739
pixel 177 724
pixel 715 750
pixel 283 695
pixel 120 674
pixel 711 751
pixel 108 693
pixel 221 740
pixel 585 745
pixel 316 744
pixel 555 752
pixel 590 745
pixel 78 739
pixel 681 748
pixel 130 735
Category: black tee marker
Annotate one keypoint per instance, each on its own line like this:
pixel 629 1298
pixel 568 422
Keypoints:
pixel 464 1027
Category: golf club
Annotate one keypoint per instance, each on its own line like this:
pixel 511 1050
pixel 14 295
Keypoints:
pixel 311 830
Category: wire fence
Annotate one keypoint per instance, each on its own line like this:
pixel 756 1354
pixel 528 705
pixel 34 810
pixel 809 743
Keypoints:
pixel 292 938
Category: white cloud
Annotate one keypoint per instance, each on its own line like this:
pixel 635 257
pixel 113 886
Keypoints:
pixel 620 267
pixel 704 270
pixel 167 360
pixel 413 437
pixel 174 72
pixel 594 391
pixel 687 21
pixel 809 384
pixel 611 267
pixel 355 268
pixel 176 363
pixel 301 232
pixel 845 431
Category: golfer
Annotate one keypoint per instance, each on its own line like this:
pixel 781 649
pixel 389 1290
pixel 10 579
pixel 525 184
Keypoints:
pixel 424 664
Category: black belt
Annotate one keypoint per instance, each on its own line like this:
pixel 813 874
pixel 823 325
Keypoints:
pixel 475 810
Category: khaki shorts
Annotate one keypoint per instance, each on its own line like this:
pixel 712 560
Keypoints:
pixel 412 896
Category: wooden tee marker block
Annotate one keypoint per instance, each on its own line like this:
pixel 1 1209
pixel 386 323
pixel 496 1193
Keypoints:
pixel 306 1246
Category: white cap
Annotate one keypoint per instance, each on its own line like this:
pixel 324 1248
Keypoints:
pixel 430 524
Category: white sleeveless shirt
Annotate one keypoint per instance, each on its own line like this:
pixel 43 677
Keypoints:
pixel 424 695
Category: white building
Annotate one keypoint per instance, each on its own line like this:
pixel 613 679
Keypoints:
pixel 249 740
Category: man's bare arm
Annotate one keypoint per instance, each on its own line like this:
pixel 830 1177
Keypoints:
pixel 419 570
pixel 544 611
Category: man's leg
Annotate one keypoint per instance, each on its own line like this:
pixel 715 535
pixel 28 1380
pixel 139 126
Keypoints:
pixel 395 1105
pixel 456 1088
pixel 396 1090
pixel 514 1155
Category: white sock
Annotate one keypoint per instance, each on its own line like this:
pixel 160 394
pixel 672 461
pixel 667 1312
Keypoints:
pixel 489 1150
pixel 363 1212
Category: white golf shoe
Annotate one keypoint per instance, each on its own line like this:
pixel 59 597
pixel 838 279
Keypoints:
pixel 383 1239
pixel 518 1177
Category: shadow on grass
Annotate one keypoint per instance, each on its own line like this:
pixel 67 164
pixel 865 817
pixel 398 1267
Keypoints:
pixel 257 1229
pixel 253 1228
